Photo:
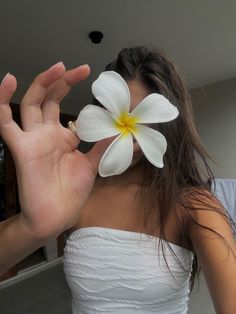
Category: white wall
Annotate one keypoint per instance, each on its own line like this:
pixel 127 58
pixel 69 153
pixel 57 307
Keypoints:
pixel 215 113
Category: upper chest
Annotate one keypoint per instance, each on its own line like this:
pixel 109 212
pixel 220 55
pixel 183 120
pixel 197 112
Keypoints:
pixel 122 208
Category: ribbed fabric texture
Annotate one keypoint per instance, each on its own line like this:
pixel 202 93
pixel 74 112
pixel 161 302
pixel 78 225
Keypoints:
pixel 117 271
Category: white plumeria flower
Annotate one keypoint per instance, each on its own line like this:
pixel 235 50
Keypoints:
pixel 94 124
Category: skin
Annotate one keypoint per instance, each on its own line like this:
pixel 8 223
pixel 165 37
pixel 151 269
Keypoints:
pixel 62 178
pixel 61 195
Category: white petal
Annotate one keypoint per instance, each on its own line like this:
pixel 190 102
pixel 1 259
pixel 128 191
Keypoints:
pixel 152 143
pixel 117 157
pixel 111 90
pixel 155 108
pixel 94 124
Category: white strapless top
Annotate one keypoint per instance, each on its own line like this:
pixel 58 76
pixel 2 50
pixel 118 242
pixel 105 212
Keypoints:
pixel 118 271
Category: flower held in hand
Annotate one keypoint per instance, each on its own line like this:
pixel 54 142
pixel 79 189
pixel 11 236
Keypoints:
pixel 95 123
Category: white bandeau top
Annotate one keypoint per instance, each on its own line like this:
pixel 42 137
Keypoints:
pixel 118 271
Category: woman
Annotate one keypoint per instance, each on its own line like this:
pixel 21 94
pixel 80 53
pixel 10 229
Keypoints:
pixel 108 265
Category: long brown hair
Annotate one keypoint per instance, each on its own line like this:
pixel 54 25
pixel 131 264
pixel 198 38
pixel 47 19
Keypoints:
pixel 186 175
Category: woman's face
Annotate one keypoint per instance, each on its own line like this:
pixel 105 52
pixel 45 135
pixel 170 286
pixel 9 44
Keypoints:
pixel 137 93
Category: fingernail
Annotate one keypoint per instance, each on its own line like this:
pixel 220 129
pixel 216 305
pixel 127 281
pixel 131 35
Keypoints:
pixel 85 66
pixel 61 63
pixel 5 78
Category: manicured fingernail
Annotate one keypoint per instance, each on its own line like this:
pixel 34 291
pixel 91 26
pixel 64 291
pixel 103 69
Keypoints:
pixel 61 63
pixel 5 78
pixel 85 66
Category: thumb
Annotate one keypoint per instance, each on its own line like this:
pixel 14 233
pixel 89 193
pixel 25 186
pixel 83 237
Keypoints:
pixel 96 152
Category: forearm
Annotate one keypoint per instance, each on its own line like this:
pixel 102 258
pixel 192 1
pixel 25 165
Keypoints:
pixel 16 242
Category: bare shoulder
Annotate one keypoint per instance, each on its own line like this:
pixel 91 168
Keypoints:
pixel 202 214
pixel 211 235
pixel 205 209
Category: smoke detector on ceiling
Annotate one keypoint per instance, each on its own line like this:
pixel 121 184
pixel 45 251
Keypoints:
pixel 96 37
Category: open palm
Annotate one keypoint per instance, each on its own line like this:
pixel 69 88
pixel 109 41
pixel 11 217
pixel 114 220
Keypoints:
pixel 54 178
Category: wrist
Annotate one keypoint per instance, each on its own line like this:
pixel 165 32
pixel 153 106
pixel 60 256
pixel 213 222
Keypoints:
pixel 16 242
pixel 36 234
pixel 29 233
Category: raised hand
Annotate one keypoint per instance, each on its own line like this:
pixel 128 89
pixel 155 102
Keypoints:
pixel 54 178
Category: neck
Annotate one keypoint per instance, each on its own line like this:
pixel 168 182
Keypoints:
pixel 133 175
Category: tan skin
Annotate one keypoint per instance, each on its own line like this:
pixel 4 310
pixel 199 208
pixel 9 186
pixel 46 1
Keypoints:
pixel 58 196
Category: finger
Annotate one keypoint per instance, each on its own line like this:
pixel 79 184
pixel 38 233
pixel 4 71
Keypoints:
pixel 7 89
pixel 71 139
pixel 59 90
pixel 31 113
pixel 9 130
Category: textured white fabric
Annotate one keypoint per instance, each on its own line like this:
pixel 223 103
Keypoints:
pixel 118 271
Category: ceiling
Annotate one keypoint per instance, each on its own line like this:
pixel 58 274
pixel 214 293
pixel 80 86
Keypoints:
pixel 199 36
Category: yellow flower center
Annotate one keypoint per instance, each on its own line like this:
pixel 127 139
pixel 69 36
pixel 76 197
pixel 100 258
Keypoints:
pixel 126 124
